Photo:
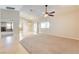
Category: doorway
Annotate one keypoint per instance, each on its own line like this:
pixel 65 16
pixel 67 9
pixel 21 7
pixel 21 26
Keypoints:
pixel 27 28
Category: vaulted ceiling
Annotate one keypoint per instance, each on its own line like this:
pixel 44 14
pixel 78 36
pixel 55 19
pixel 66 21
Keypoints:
pixel 34 11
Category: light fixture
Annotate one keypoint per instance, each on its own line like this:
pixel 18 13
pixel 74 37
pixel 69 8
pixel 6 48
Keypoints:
pixel 45 15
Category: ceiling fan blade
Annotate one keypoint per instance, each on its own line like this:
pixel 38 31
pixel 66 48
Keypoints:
pixel 51 15
pixel 46 9
pixel 52 12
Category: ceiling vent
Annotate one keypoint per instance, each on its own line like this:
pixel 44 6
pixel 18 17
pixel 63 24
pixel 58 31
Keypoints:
pixel 10 8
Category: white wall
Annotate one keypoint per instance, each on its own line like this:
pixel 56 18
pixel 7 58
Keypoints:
pixel 11 16
pixel 25 28
pixel 65 23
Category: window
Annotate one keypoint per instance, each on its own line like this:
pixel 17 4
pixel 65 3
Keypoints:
pixel 45 24
pixel 35 28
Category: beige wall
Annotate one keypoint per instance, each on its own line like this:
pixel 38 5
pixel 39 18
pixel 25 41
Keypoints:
pixel 65 23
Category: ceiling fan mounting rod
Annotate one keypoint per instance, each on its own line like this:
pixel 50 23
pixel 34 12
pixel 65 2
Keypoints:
pixel 46 9
pixel 46 5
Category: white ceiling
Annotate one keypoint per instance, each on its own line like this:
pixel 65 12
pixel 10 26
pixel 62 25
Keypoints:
pixel 17 7
pixel 37 10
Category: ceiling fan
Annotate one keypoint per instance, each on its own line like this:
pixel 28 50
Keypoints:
pixel 48 13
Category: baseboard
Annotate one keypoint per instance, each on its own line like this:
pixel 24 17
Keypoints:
pixel 71 37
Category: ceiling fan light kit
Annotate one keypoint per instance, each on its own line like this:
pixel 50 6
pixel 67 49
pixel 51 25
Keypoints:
pixel 45 15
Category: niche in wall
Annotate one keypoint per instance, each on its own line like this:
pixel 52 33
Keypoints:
pixel 6 26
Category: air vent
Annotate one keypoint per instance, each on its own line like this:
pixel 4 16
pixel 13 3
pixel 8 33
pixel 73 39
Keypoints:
pixel 10 8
